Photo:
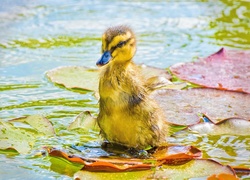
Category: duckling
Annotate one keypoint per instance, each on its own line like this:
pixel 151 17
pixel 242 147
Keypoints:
pixel 127 115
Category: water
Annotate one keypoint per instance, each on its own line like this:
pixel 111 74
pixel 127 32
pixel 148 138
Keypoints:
pixel 36 36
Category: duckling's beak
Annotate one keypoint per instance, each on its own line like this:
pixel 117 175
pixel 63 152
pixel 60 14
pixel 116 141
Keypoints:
pixel 106 57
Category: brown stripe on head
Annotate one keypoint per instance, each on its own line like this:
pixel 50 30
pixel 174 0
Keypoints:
pixel 113 32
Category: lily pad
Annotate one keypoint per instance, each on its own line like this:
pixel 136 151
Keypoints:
pixel 79 77
pixel 38 122
pixel 163 155
pixel 174 162
pixel 15 138
pixel 75 77
pixel 222 176
pixel 197 168
pixel 232 126
pixel 184 106
pixel 22 138
pixel 161 166
pixel 226 70
pixel 84 121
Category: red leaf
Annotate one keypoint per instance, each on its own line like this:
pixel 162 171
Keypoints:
pixel 109 167
pixel 183 106
pixel 172 155
pixel 225 70
pixel 222 176
pixel 176 154
pixel 241 170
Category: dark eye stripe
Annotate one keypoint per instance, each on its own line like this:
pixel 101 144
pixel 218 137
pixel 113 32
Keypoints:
pixel 120 44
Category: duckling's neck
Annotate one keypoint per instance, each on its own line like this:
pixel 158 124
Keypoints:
pixel 117 69
pixel 120 78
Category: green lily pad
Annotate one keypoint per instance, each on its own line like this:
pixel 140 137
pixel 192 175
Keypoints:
pixel 197 168
pixel 75 77
pixel 15 138
pixel 38 122
pixel 79 77
pixel 23 137
pixel 84 121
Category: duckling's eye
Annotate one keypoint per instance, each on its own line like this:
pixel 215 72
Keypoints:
pixel 120 44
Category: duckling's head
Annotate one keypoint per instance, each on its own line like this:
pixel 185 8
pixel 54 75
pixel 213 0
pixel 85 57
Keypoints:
pixel 118 45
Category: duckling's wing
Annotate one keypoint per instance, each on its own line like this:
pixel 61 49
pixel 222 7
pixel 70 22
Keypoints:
pixel 160 82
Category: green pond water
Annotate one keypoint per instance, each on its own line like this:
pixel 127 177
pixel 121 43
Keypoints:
pixel 36 36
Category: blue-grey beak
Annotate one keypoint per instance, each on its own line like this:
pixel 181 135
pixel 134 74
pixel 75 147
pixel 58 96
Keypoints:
pixel 106 57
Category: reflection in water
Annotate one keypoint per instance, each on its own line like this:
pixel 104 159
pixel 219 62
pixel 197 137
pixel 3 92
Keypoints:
pixel 232 26
pixel 227 149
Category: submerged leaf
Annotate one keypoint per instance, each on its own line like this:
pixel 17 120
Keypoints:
pixel 226 69
pixel 50 42
pixel 184 106
pixel 232 126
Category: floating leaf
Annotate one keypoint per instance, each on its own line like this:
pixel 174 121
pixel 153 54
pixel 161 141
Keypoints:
pixel 86 175
pixel 38 122
pixel 84 121
pixel 168 155
pixel 173 128
pixel 197 168
pixel 176 154
pixel 226 69
pixel 62 166
pixel 78 77
pixel 22 138
pixel 184 106
pixel 165 155
pixel 222 176
pixel 15 138
pixel 242 171
pixel 232 126
pixel 109 167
